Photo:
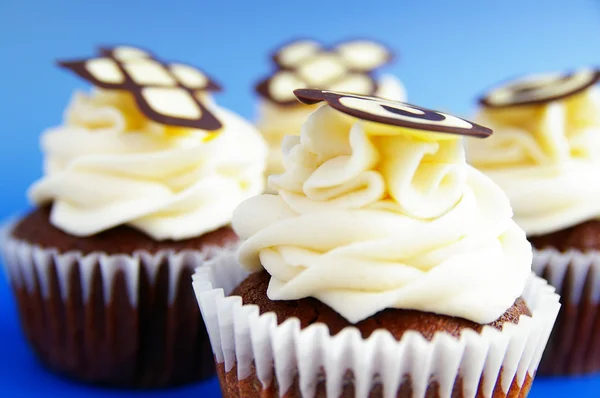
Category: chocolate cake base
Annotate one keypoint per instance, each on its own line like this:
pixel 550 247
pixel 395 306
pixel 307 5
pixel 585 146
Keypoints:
pixel 158 342
pixel 583 237
pixel 231 387
pixel 36 229
pixel 253 290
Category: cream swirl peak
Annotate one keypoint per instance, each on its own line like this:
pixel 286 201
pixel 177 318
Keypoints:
pixel 371 216
pixel 276 121
pixel 348 66
pixel 546 154
pixel 109 165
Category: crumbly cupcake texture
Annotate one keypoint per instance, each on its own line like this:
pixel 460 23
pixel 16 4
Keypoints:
pixel 348 66
pixel 139 185
pixel 309 311
pixel 545 155
pixel 378 223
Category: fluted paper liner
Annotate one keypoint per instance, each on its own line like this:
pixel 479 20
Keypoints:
pixel 254 345
pixel 574 345
pixel 125 320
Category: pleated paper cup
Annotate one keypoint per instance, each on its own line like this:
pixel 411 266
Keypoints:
pixel 574 345
pixel 257 357
pixel 120 320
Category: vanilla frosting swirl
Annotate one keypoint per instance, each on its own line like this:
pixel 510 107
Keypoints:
pixel 369 217
pixel 276 121
pixel 108 165
pixel 546 157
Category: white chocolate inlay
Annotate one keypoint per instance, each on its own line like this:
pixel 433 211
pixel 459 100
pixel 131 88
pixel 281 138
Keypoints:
pixel 149 73
pixel 172 102
pixel 283 85
pixel 189 76
pixel 296 52
pixel 376 108
pixel 363 55
pixel 129 53
pixel 322 69
pixel 105 70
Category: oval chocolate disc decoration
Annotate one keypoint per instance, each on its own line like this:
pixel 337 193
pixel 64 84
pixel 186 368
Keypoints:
pixel 539 89
pixel 393 113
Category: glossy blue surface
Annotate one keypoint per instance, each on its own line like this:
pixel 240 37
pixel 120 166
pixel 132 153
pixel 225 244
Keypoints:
pixel 450 51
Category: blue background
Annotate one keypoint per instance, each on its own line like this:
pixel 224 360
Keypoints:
pixel 449 52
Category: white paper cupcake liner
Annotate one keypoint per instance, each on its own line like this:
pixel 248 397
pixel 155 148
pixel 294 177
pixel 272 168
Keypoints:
pixel 574 346
pixel 284 354
pixel 583 283
pixel 121 320
pixel 26 263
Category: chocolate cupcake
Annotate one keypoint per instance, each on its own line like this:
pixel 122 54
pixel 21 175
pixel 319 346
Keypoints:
pixel 139 186
pixel 545 154
pixel 384 266
pixel 348 66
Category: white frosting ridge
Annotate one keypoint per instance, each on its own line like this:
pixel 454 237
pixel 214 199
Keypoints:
pixel 108 165
pixel 365 221
pixel 547 160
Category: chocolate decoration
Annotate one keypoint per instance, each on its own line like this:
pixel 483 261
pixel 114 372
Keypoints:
pixel 307 63
pixel 540 89
pixel 393 113
pixel 167 93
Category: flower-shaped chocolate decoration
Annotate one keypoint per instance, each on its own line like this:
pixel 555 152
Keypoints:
pixel 539 89
pixel 306 63
pixel 393 113
pixel 167 93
